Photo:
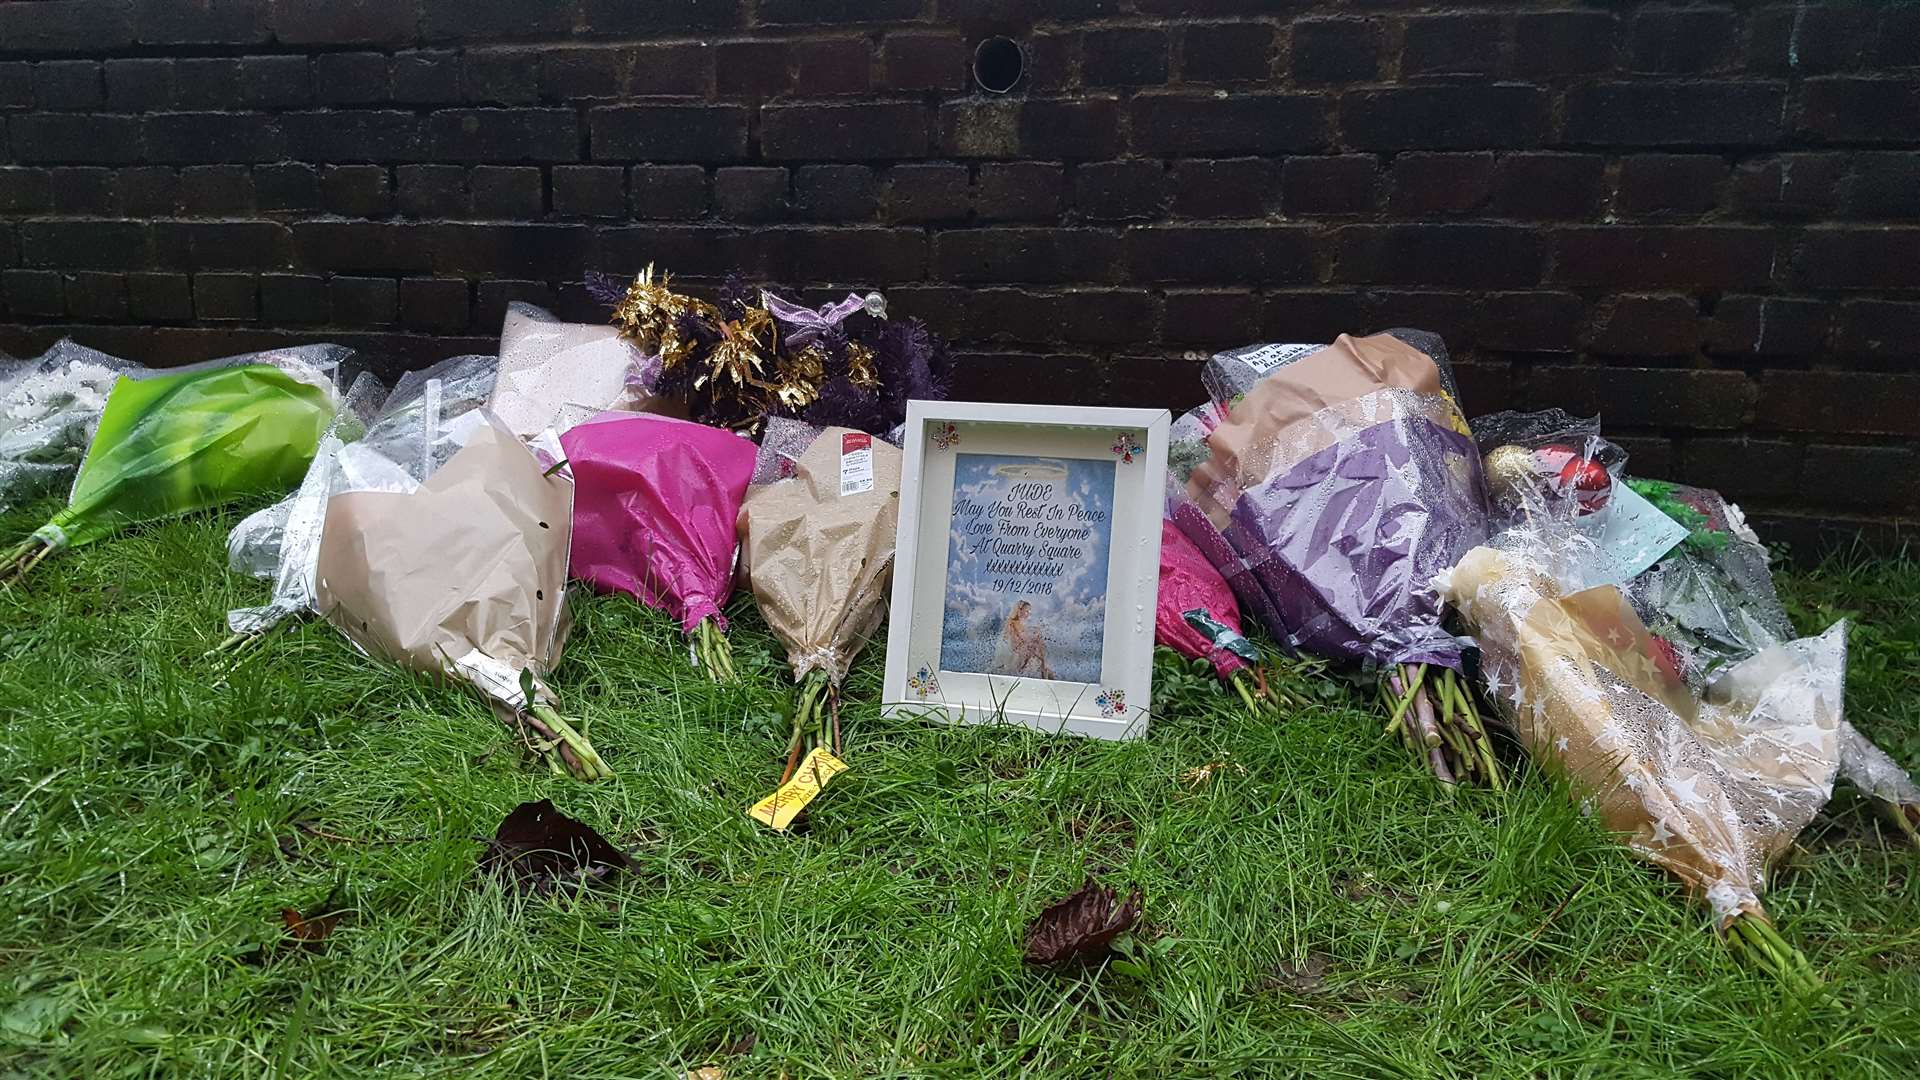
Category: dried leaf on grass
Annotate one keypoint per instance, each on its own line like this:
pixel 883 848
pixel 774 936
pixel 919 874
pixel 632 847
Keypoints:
pixel 1081 928
pixel 538 849
pixel 309 932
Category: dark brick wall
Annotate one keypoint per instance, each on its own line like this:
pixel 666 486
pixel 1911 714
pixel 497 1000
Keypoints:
pixel 1699 219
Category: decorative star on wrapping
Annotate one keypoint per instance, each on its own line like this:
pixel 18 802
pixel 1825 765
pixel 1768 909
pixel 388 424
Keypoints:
pixel 1661 834
pixel 1561 744
pixel 1687 791
pixel 1808 735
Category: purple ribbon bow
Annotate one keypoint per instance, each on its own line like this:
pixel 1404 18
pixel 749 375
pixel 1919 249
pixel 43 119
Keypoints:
pixel 805 325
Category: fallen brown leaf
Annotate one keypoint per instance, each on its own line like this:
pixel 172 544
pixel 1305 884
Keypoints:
pixel 539 849
pixel 309 933
pixel 1080 928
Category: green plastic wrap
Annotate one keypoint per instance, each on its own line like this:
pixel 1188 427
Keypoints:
pixel 173 444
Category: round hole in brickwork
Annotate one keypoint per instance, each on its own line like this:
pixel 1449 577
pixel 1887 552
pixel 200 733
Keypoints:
pixel 998 64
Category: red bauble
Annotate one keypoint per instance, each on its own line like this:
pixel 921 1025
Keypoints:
pixel 1573 474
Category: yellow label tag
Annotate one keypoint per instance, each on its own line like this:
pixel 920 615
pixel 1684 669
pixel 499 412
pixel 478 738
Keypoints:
pixel 780 808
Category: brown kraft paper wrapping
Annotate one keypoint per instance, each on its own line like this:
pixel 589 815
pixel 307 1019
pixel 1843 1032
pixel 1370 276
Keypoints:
pixel 1242 446
pixel 819 562
pixel 475 560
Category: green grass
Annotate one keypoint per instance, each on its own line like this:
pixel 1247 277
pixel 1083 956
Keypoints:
pixel 1324 911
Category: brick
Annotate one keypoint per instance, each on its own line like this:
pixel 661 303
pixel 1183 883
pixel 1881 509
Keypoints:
pixel 84 245
pixel 750 193
pixel 701 133
pixel 1026 255
pixel 1040 378
pixel 829 67
pixel 1329 185
pixel 503 135
pixel 842 193
pixel 426 77
pixel 158 298
pixel 1216 317
pixel 352 78
pixel 1741 466
pixel 1879 329
pixel 149 191
pixel 226 296
pixel 1451 45
pixel 16 85
pixel 568 74
pixel 343 22
pixel 1310 315
pixel 1876 477
pixel 25 191
pixel 835 12
pixel 1330 51
pixel 362 246
pixel 1226 52
pixel 922 193
pixel 1120 190
pixel 1694 257
pixel 1241 124
pixel 1669 183
pixel 217 190
pixel 434 304
pixel 1079 316
pixel 348 135
pixel 1856 403
pixel 669 191
pixel 97 296
pixel 1650 397
pixel 1448 314
pixel 1070 130
pixel 290 187
pixel 1768 326
pixel 695 250
pixel 1788 186
pixel 1666 114
pixel 1646 326
pixel 854 256
pixel 484 20
pixel 920 61
pixel 1562 43
pixel 590 190
pixel 433 191
pixel 1859 259
pixel 1488 256
pixel 625 17
pixel 193 138
pixel 139 85
pixel 1681 41
pixel 505 191
pixel 68 85
pixel 77 138
pixel 1425 183
pixel 1529 321
pixel 222 245
pixel 863 132
pixel 680 69
pixel 1883 185
pixel 66 26
pixel 493 296
pixel 1051 59
pixel 1458 117
pixel 200 22
pixel 752 69
pixel 356 191
pixel 84 190
pixel 295 300
pixel 1802 40
pixel 554 252
pixel 34 292
pixel 1566 187
pixel 275 82
pixel 1018 191
pixel 499 78
pixel 359 301
pixel 1899 29
pixel 1225 255
pixel 1124 57
pixel 1858 110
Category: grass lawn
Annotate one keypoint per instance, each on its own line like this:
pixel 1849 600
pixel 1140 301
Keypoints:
pixel 1316 907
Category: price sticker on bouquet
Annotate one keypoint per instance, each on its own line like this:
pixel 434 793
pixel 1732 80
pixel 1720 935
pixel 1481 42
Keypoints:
pixel 856 463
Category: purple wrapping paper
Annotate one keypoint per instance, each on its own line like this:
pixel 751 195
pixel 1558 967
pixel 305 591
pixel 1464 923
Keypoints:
pixel 1343 546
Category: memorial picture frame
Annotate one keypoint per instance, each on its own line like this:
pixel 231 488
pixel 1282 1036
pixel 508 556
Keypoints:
pixel 1027 566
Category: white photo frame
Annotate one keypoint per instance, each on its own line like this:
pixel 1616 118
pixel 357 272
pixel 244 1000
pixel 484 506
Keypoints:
pixel 1049 626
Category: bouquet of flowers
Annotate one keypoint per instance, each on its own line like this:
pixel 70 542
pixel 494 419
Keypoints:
pixel 1196 616
pixel 816 543
pixel 378 441
pixel 49 407
pixel 189 440
pixel 464 575
pixel 751 355
pixel 656 505
pixel 1336 480
pixel 556 374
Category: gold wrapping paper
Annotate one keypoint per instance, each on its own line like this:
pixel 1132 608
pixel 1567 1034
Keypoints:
pixel 1713 791
pixel 819 562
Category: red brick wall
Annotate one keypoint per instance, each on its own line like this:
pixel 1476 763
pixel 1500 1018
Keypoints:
pixel 1699 219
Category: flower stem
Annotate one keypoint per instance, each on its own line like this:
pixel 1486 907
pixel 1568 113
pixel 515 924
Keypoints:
pixel 575 753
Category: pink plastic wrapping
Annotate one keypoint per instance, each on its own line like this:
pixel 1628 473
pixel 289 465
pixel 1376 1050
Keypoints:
pixel 1188 582
pixel 655 502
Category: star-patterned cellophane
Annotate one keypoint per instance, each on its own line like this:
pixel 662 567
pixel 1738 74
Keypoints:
pixel 1712 789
